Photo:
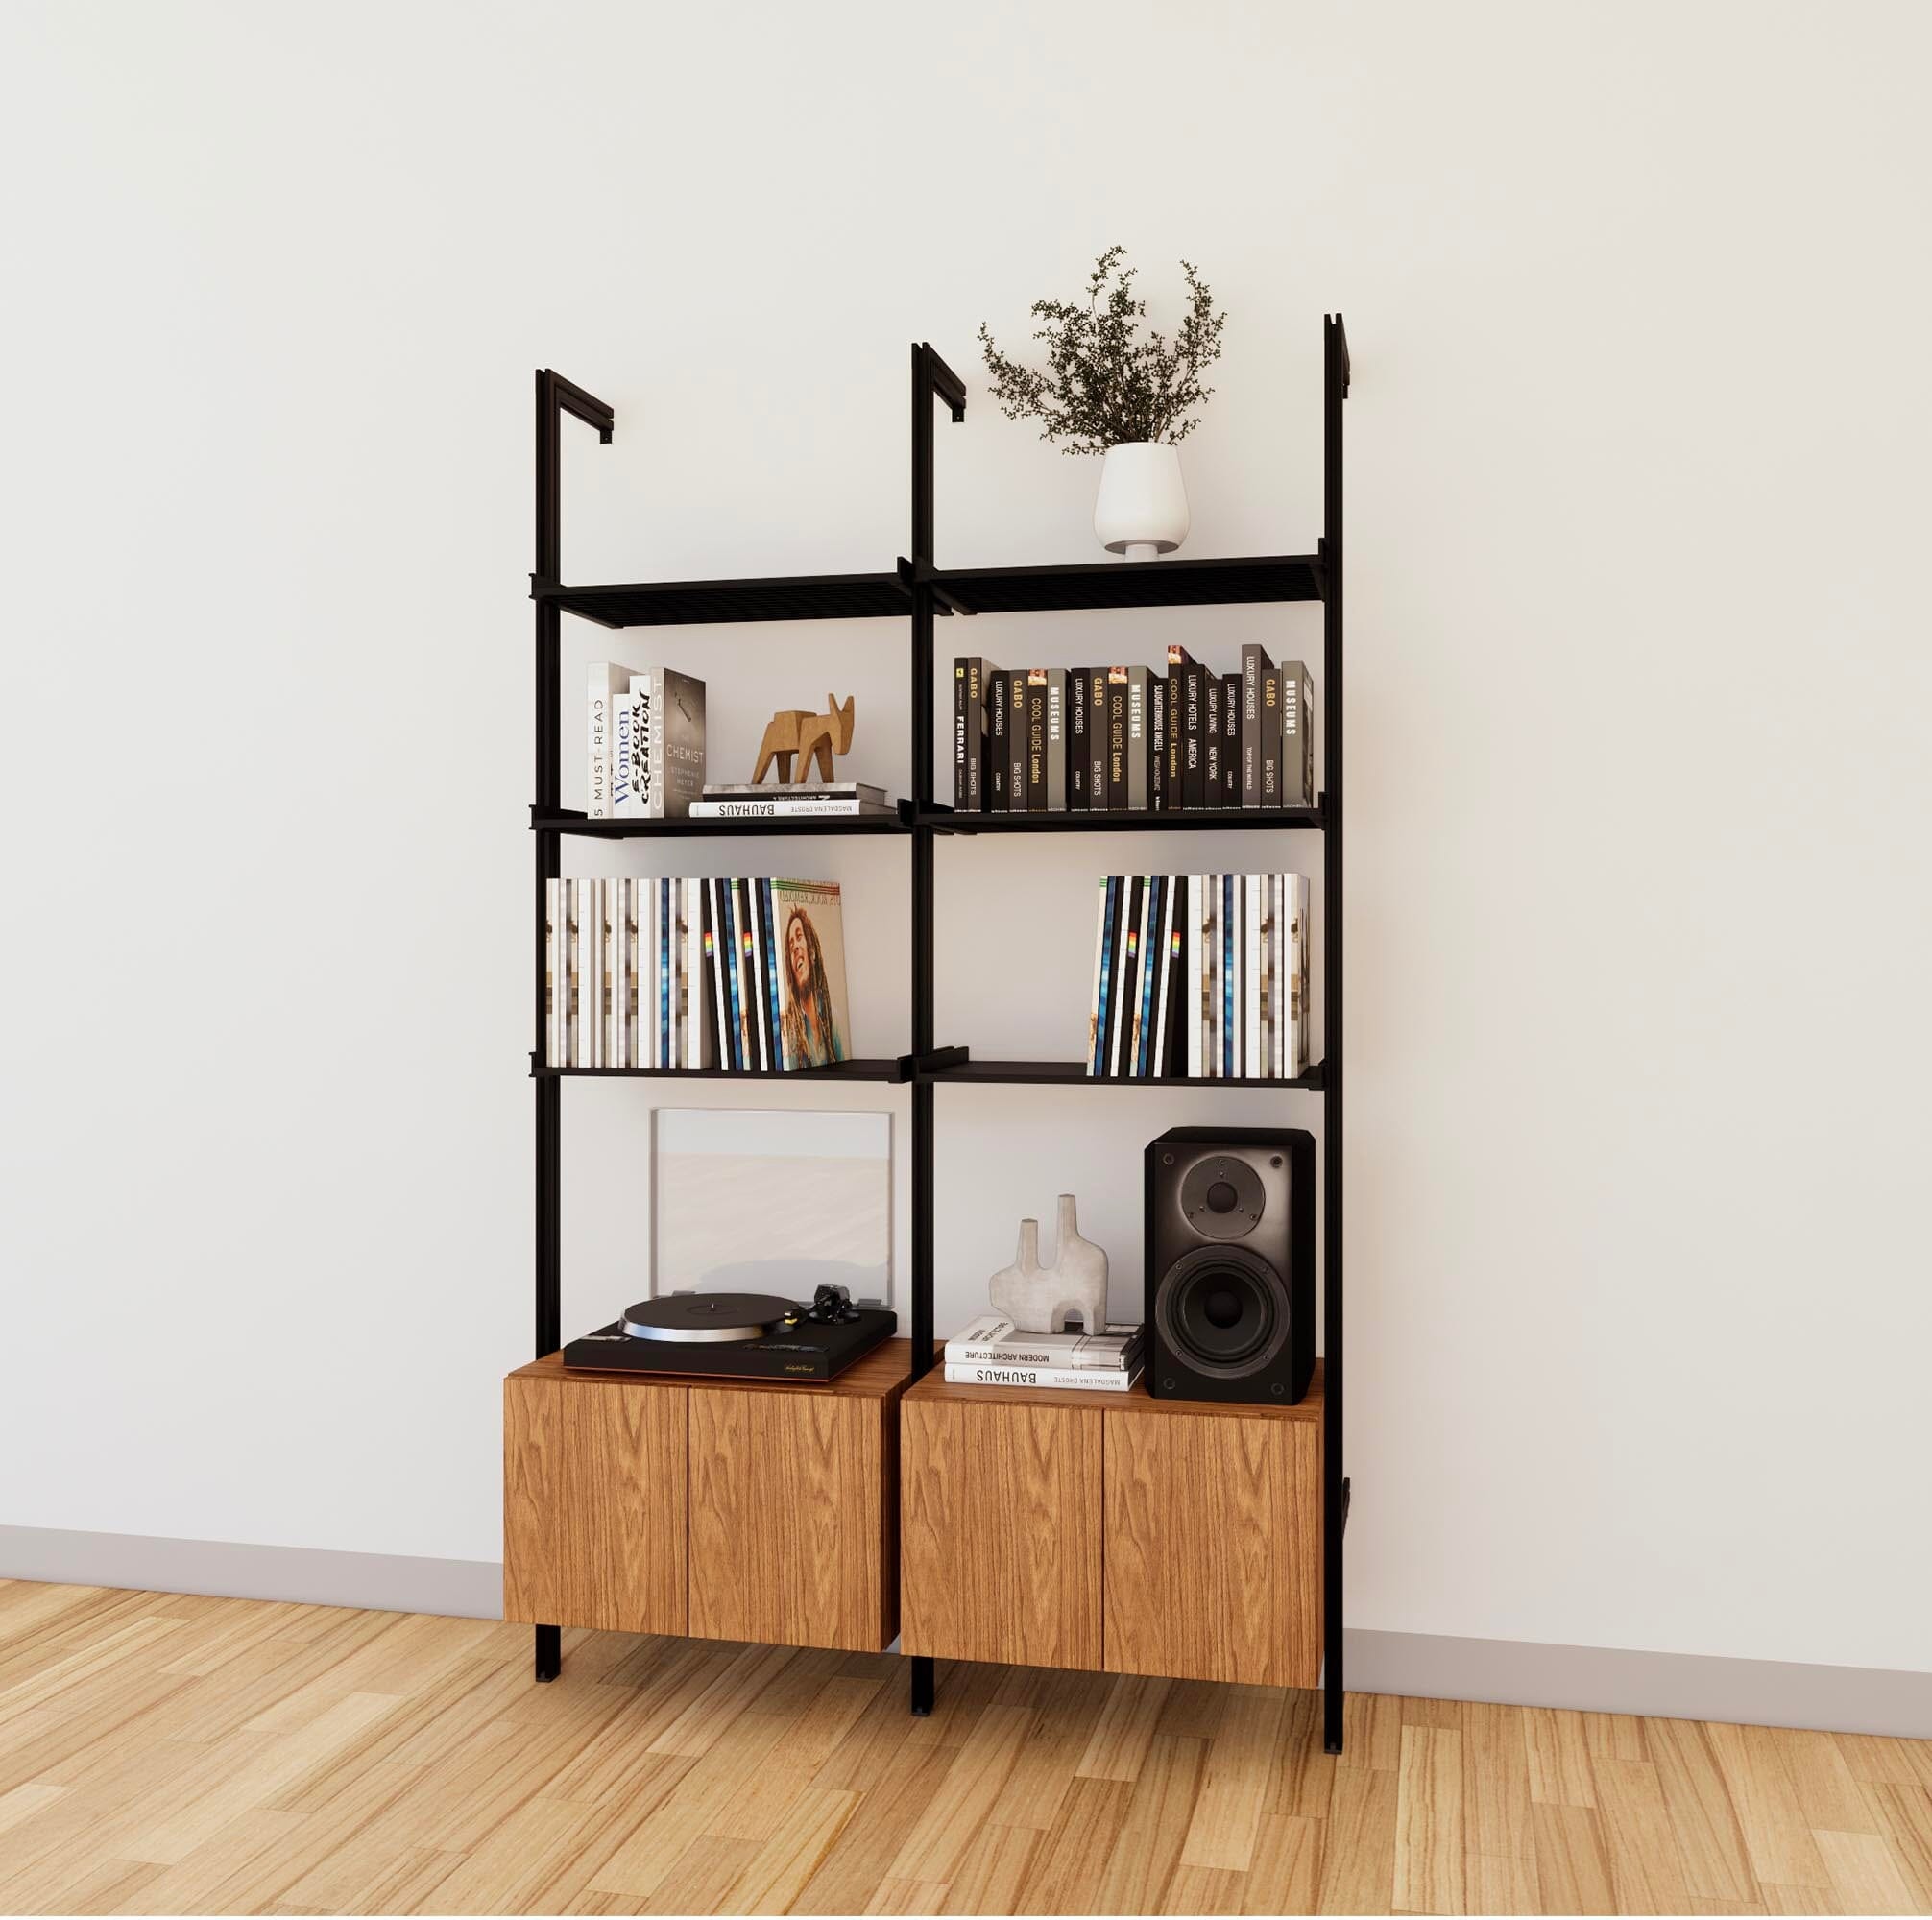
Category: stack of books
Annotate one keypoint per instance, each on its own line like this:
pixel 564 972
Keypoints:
pixel 991 1352
pixel 802 800
pixel 739 975
pixel 1132 738
pixel 648 742
pixel 1201 976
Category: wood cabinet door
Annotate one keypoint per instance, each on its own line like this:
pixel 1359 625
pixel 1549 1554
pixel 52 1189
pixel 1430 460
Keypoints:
pixel 792 1500
pixel 1000 1553
pixel 594 1504
pixel 1213 1548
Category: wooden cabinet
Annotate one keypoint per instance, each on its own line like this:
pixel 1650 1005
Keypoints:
pixel 725 1509
pixel 1137 1535
pixel 1001 1531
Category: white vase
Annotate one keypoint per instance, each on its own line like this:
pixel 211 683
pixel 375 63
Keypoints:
pixel 1142 510
pixel 1041 1298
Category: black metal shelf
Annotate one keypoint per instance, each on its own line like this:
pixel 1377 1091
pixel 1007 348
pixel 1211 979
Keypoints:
pixel 894 1072
pixel 1205 820
pixel 1073 1073
pixel 1121 583
pixel 920 591
pixel 579 827
pixel 677 603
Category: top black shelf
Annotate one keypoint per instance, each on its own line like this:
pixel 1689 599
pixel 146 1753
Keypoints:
pixel 1119 582
pixel 968 589
pixel 677 603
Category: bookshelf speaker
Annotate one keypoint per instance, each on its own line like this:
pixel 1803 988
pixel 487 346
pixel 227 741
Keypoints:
pixel 1230 1255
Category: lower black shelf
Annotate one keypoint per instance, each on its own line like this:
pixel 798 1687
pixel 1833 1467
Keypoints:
pixel 828 825
pixel 892 1071
pixel 1204 820
pixel 1073 1073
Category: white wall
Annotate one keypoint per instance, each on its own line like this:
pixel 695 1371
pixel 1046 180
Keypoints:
pixel 1639 303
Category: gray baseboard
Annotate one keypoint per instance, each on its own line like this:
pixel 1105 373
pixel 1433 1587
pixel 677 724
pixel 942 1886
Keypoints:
pixel 1438 1667
pixel 388 1582
pixel 1619 1680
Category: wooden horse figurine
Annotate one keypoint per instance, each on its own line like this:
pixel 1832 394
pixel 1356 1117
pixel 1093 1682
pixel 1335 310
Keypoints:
pixel 805 737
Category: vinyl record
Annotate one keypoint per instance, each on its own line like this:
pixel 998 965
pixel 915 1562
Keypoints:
pixel 708 1317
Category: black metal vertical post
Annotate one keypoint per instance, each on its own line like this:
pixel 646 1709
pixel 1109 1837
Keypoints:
pixel 555 396
pixel 931 379
pixel 1334 1482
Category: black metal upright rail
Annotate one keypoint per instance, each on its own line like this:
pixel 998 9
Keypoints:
pixel 922 592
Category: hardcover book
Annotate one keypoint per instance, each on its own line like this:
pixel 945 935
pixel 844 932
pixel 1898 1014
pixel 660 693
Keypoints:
pixel 610 683
pixel 1254 663
pixel 1157 742
pixel 1194 768
pixel 1036 739
pixel 1079 695
pixel 1271 736
pixel 997 760
pixel 1079 1379
pixel 1056 739
pixel 1016 746
pixel 1096 740
pixel 1139 739
pixel 1118 679
pixel 1297 735
pixel 1211 739
pixel 992 1339
pixel 1230 740
pixel 814 1017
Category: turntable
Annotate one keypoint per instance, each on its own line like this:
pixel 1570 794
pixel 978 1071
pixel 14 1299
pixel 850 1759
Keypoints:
pixel 739 1335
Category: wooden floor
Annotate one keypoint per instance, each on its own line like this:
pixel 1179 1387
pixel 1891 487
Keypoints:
pixel 167 1755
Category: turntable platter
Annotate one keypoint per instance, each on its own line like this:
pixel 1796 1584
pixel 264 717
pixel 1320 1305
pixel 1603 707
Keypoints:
pixel 708 1316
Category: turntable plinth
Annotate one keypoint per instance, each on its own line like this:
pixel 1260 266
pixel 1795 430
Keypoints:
pixel 750 1510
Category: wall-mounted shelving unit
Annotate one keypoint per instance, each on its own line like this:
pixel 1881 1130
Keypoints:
pixel 921 593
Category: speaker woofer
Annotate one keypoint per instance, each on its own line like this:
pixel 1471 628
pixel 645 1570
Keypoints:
pixel 1223 1312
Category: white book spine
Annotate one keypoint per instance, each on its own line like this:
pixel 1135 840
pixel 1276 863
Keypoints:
pixel 1251 896
pixel 786 809
pixel 981 1353
pixel 1305 1026
pixel 1192 1009
pixel 1080 1380
pixel 693 981
pixel 573 963
pixel 600 961
pixel 1216 966
pixel 663 974
pixel 1164 978
pixel 553 948
pixel 598 802
pixel 719 946
pixel 659 735
pixel 621 935
pixel 623 755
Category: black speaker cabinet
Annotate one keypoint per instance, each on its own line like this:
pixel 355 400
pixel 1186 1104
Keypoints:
pixel 1230 1247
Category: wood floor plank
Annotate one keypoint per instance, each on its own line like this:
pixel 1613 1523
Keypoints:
pixel 799 1839
pixel 1865 1875
pixel 1646 1871
pixel 1559 1758
pixel 1904 1763
pixel 1160 1808
pixel 1573 1864
pixel 1828 1794
pixel 1064 1724
pixel 1371 1732
pixel 972 1784
pixel 864 1854
pixel 995 1868
pixel 1502 1883
pixel 1203 1889
pixel 1798 1899
pixel 1904 1815
pixel 1126 1728
pixel 1430 1869
pixel 1709 1842
pixel 1357 1854
pixel 1285 1874
pixel 1775 1836
pixel 1070 1865
pixel 1615 1736
pixel 1235 1782
pixel 907 1896
pixel 699 1881
pixel 1496 1783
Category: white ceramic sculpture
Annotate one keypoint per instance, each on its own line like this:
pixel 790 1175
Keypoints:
pixel 1041 1298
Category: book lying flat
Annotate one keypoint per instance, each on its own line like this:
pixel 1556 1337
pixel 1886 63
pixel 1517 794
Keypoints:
pixel 746 808
pixel 1080 1380
pixel 993 1340
pixel 799 790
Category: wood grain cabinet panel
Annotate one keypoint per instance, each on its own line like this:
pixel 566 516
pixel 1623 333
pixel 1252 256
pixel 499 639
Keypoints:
pixel 791 1519
pixel 1213 1546
pixel 594 1504
pixel 1001 1530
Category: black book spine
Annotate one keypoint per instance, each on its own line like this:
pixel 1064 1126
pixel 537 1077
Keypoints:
pixel 1271 736
pixel 1211 736
pixel 1036 741
pixel 1016 745
pixel 1079 694
pixel 995 746
pixel 1194 768
pixel 1172 785
pixel 1117 739
pixel 1097 741
pixel 962 802
pixel 1252 661
pixel 1157 742
pixel 1174 1055
pixel 1230 739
